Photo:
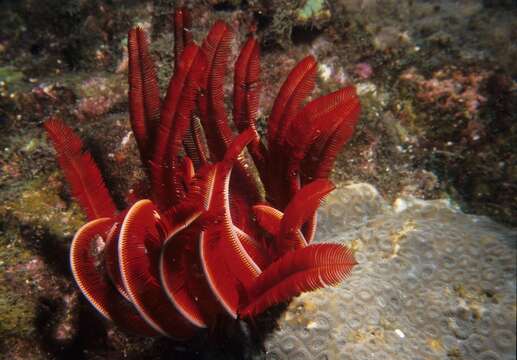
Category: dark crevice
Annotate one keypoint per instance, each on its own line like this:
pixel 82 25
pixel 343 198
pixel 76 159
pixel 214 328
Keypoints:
pixel 90 333
pixel 224 6
pixel 262 20
pixel 304 34
pixel 52 249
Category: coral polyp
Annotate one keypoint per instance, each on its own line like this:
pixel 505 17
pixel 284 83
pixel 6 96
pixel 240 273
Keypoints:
pixel 225 229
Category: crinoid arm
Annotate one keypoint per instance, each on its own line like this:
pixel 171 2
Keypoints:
pixel 144 94
pixel 141 237
pixel 306 269
pixel 87 245
pixel 227 265
pixel 246 95
pixel 175 119
pixel 182 22
pixel 216 48
pixel 299 210
pixel 81 171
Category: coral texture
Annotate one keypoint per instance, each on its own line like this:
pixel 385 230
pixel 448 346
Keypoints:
pixel 433 283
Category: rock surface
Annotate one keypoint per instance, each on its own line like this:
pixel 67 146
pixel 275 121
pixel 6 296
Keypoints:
pixel 437 83
pixel 432 283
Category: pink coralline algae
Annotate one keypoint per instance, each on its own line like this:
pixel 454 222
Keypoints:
pixel 100 95
pixel 450 89
pixel 93 107
pixel 363 70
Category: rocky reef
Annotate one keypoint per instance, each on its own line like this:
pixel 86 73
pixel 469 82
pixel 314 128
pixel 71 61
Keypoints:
pixel 433 283
pixel 435 143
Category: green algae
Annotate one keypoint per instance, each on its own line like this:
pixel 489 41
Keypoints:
pixel 12 253
pixel 31 146
pixel 17 311
pixel 17 314
pixel 38 208
pixel 10 74
pixel 312 9
pixel 39 204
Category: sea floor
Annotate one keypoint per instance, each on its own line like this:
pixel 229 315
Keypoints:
pixel 427 187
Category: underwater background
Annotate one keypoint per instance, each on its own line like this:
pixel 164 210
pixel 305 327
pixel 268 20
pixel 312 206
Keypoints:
pixel 427 187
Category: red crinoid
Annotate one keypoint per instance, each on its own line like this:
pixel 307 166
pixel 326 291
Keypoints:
pixel 221 231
